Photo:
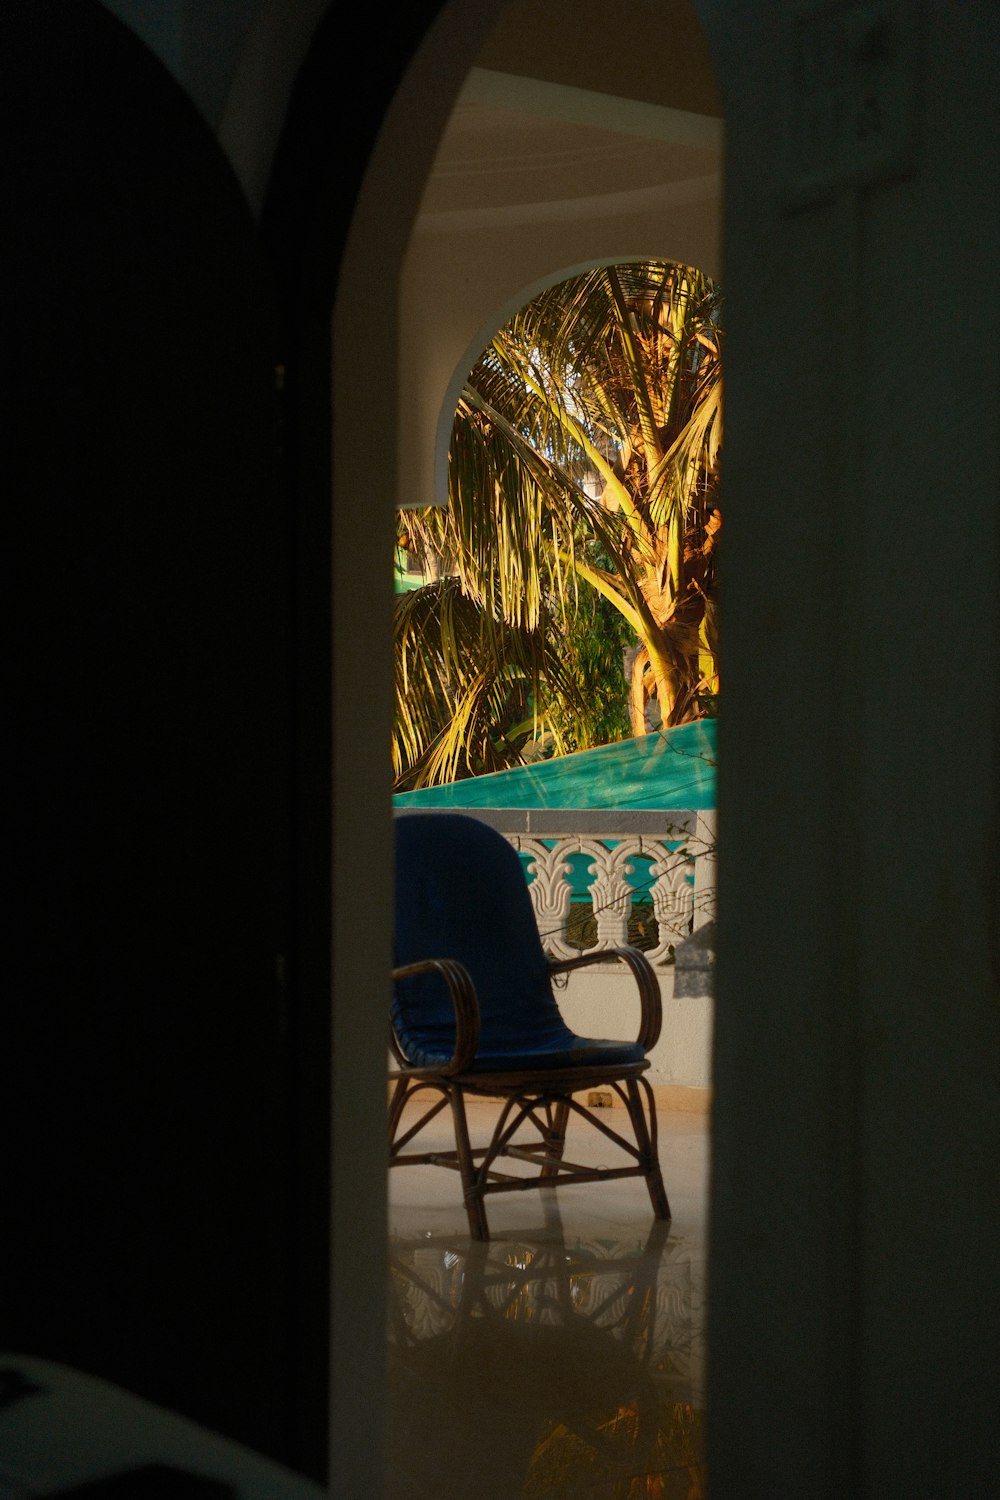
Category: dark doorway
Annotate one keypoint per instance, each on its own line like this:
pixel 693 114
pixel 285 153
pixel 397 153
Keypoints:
pixel 156 1232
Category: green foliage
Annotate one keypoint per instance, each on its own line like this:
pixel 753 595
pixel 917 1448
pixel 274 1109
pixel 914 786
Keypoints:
pixel 596 640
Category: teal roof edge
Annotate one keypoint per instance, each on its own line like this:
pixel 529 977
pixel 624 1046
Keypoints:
pixel 670 768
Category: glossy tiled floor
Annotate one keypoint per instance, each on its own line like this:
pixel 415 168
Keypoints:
pixel 564 1358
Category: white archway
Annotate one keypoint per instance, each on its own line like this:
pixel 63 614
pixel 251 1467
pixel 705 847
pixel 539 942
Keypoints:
pixel 449 291
pixel 532 182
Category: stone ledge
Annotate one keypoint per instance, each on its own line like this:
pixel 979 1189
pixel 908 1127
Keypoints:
pixel 682 1097
pixel 677 1097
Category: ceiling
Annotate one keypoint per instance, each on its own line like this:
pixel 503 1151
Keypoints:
pixel 514 143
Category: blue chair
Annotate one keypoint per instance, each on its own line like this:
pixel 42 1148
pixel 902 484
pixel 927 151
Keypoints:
pixel 474 1014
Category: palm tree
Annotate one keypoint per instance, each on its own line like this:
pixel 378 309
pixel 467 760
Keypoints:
pixel 584 463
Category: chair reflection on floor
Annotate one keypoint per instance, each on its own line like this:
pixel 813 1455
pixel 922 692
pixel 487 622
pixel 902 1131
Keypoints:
pixel 556 1366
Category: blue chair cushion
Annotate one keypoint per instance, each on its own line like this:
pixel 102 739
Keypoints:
pixel 460 893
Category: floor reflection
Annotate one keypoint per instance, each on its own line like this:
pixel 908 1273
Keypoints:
pixel 547 1364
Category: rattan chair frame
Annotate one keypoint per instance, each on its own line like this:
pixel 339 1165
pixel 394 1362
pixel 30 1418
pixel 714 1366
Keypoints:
pixel 540 1099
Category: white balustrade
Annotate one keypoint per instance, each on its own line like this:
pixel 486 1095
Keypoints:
pixel 679 857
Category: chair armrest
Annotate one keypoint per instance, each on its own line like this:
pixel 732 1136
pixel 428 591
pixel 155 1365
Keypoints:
pixel 651 1002
pixel 466 1004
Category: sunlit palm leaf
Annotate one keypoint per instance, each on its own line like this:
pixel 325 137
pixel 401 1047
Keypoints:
pixel 463 680
pixel 613 377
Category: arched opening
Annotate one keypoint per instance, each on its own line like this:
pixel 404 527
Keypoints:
pixel 471 257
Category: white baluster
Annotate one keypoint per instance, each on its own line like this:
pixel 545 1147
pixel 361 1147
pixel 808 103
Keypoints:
pixel 610 892
pixel 551 891
pixel 706 859
pixel 673 898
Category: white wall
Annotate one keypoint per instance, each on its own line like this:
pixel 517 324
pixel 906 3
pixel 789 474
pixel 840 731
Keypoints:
pixel 606 1005
pixel 855 1199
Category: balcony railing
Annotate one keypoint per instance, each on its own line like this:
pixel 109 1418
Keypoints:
pixel 601 878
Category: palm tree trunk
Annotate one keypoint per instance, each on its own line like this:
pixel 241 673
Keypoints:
pixel 656 672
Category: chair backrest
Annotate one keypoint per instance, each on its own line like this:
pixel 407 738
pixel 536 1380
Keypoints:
pixel 461 894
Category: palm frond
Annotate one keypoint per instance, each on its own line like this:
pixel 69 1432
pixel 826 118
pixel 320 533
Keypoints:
pixel 464 681
pixel 585 455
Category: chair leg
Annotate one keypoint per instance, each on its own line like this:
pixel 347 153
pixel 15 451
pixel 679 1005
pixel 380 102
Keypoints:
pixel 555 1137
pixel 644 1125
pixel 396 1104
pixel 471 1187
